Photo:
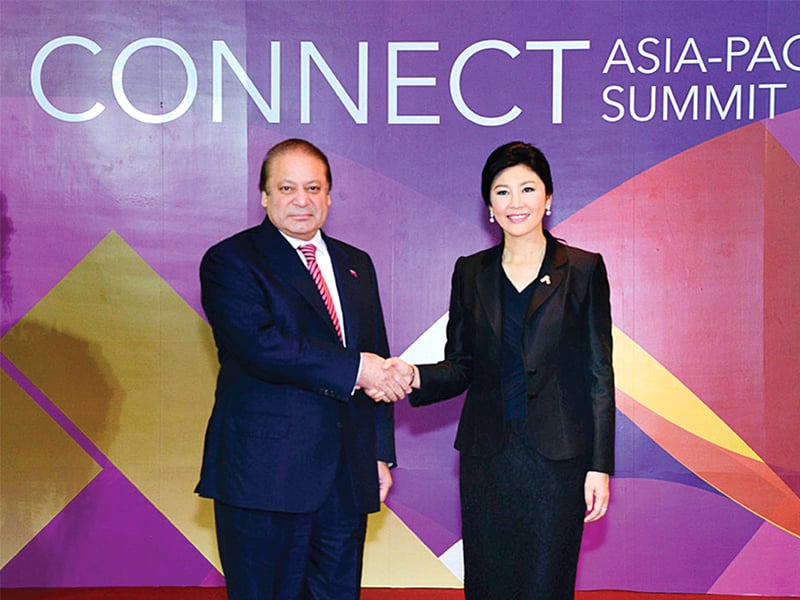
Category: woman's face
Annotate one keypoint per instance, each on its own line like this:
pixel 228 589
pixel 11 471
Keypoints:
pixel 518 200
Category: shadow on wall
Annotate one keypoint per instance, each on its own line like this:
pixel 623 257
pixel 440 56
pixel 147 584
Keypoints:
pixel 6 230
pixel 53 438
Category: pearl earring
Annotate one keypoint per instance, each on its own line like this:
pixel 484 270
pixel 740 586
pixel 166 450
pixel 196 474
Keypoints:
pixel 547 211
pixel 491 216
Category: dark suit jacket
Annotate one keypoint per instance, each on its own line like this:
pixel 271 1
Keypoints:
pixel 283 410
pixel 566 344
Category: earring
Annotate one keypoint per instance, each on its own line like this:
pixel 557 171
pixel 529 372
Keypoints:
pixel 547 211
pixel 491 216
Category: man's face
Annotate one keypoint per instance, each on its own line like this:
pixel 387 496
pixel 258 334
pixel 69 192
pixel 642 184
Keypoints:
pixel 297 197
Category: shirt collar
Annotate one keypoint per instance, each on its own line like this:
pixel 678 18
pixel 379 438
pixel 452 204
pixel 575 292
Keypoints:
pixel 317 240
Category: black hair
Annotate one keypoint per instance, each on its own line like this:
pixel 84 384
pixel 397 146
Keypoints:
pixel 289 146
pixel 510 155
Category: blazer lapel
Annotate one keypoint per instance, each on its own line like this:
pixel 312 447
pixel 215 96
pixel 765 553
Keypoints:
pixel 487 283
pixel 552 275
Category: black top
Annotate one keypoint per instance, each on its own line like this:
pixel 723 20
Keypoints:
pixel 514 306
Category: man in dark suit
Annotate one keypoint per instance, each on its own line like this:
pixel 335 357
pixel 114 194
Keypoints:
pixel 296 454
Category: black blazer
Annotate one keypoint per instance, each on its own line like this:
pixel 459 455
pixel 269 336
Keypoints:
pixel 283 411
pixel 566 344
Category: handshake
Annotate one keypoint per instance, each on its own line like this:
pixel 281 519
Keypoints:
pixel 386 379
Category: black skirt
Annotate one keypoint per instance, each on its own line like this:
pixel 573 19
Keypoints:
pixel 522 522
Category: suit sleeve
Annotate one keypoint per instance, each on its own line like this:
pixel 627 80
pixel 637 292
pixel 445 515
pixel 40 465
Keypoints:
pixel 234 298
pixel 452 376
pixel 600 370
pixel 384 411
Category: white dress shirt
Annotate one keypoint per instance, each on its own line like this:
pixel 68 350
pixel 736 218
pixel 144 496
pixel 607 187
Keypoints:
pixel 325 267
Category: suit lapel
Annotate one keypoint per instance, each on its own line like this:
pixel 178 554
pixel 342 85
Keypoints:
pixel 552 275
pixel 487 283
pixel 347 285
pixel 282 261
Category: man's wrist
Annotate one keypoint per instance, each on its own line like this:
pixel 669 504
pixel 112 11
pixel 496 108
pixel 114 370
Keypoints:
pixel 358 373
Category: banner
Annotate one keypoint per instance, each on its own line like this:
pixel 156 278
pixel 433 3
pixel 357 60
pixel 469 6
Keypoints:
pixel 131 135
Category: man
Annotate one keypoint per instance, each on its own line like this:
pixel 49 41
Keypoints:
pixel 296 454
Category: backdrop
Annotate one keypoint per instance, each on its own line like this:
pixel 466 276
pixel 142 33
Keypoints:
pixel 132 132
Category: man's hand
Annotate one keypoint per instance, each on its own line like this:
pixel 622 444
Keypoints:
pixel 384 380
pixel 384 479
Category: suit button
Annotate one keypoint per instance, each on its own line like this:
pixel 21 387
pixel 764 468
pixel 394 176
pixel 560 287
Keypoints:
pixel 339 425
pixel 531 372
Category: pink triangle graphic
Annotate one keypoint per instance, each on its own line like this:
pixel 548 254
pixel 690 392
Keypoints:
pixel 767 565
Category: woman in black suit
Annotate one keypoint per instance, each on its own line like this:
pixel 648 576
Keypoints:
pixel 529 333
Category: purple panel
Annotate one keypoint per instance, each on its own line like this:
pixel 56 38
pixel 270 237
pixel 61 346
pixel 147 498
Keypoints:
pixel 663 536
pixel 109 535
pixel 426 492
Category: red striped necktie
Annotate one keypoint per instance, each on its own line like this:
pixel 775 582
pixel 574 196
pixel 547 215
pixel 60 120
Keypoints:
pixel 310 253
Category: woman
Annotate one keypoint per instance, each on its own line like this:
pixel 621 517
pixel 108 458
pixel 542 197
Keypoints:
pixel 529 334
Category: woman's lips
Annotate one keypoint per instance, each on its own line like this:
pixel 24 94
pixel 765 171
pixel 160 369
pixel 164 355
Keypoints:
pixel 517 218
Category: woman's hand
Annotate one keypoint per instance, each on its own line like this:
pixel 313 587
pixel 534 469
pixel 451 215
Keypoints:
pixel 595 490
